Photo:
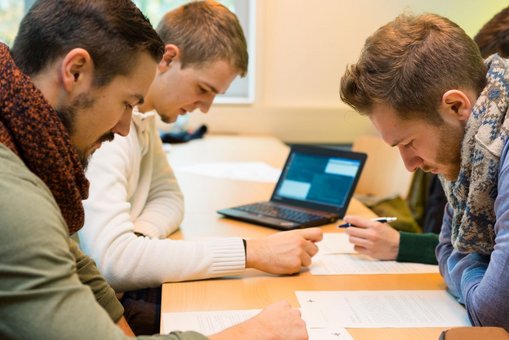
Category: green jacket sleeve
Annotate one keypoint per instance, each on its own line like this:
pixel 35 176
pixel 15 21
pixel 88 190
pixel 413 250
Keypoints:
pixel 41 294
pixel 89 275
pixel 418 248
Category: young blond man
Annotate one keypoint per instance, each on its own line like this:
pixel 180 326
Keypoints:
pixel 135 201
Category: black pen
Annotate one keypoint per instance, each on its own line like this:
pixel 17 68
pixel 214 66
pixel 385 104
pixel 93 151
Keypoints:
pixel 378 219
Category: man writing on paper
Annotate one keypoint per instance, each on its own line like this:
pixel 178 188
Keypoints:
pixel 423 83
pixel 385 243
pixel 135 201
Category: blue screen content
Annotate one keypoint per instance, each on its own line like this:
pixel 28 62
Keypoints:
pixel 318 179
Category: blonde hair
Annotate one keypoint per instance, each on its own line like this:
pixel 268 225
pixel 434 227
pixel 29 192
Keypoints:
pixel 205 31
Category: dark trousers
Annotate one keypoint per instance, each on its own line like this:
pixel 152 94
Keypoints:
pixel 143 310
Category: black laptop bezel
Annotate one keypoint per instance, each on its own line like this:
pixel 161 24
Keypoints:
pixel 330 152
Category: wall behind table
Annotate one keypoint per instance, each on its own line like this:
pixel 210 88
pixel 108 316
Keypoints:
pixel 302 49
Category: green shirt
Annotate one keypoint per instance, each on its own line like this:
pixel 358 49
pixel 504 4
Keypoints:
pixel 418 248
pixel 48 288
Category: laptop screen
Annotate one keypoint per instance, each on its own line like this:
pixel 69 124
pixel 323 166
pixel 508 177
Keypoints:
pixel 326 179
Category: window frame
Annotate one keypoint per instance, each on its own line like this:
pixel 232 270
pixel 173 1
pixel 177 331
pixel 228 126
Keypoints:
pixel 247 18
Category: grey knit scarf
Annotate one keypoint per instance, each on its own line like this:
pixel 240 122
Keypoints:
pixel 472 195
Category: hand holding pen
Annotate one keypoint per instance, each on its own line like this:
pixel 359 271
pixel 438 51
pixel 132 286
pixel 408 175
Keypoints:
pixel 377 240
pixel 378 219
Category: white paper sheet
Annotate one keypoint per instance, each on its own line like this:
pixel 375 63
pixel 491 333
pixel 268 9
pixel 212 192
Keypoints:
pixel 349 264
pixel 207 323
pixel 211 322
pixel 381 309
pixel 335 243
pixel 329 334
pixel 245 171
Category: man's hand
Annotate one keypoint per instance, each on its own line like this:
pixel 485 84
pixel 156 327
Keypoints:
pixel 283 252
pixel 278 321
pixel 375 239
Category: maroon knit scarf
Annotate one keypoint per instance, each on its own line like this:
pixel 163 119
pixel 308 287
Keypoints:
pixel 31 128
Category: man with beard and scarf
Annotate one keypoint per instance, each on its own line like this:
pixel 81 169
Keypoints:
pixel 423 84
pixel 386 243
pixel 62 93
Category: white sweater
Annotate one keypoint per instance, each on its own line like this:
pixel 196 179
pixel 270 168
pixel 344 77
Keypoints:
pixel 133 189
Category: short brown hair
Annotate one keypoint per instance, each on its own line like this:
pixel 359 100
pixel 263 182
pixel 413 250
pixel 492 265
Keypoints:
pixel 494 35
pixel 410 63
pixel 205 31
pixel 112 31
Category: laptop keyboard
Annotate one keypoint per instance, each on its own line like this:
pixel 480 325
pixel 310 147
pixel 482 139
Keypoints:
pixel 280 212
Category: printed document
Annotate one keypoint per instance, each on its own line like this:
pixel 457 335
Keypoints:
pixel 381 309
pixel 211 322
pixel 350 264
pixel 207 323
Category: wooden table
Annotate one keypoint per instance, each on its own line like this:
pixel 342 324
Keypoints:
pixel 204 195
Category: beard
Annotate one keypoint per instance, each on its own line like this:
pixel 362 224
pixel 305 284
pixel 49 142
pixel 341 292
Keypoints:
pixel 451 140
pixel 68 117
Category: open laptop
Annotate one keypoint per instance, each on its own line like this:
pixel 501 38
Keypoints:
pixel 315 188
